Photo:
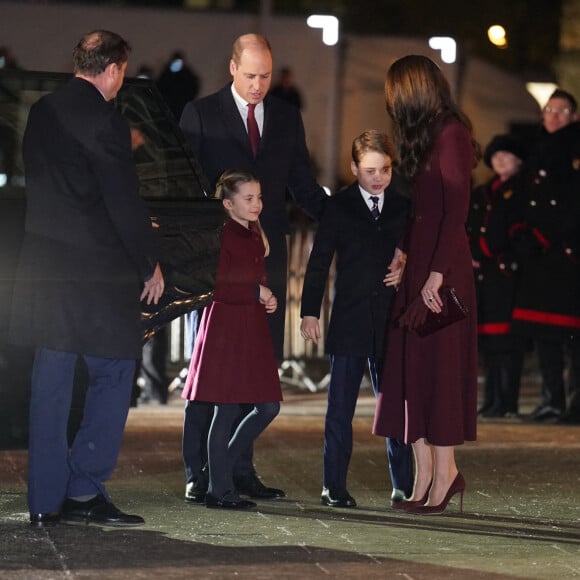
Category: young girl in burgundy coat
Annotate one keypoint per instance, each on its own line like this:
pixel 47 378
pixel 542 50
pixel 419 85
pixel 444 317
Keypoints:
pixel 233 358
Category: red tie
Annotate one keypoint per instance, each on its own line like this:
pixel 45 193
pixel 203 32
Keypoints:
pixel 253 131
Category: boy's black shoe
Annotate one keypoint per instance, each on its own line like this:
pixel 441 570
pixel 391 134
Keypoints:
pixel 333 497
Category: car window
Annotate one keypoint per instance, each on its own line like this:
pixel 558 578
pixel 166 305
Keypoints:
pixel 164 163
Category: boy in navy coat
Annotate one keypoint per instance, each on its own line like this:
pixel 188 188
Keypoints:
pixel 361 225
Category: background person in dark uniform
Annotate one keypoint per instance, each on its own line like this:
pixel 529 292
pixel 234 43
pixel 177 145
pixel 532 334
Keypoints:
pixel 217 129
pixel 153 369
pixel 495 207
pixel 178 83
pixel 548 301
pixel 88 250
pixel 286 90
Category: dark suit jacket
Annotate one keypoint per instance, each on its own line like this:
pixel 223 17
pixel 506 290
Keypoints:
pixel 89 243
pixel 364 249
pixel 217 134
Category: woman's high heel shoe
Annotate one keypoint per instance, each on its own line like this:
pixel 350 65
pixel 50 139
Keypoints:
pixel 458 486
pixel 409 505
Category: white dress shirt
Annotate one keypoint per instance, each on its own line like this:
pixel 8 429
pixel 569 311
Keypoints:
pixel 243 109
pixel 367 197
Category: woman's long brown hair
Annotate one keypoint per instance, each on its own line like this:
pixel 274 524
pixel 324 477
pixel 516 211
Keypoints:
pixel 416 95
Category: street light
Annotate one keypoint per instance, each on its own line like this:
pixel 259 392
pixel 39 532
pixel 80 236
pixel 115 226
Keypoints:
pixel 330 37
pixel 497 36
pixel 329 25
pixel 446 45
pixel 541 91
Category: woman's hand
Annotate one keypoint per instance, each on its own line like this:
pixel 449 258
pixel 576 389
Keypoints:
pixel 430 292
pixel 310 329
pixel 396 269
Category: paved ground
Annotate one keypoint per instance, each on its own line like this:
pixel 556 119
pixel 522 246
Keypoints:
pixel 521 514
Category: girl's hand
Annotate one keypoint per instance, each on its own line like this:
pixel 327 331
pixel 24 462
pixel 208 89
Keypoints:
pixel 271 304
pixel 268 299
pixel 310 329
pixel 430 292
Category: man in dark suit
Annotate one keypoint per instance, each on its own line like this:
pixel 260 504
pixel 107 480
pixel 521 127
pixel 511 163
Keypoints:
pixel 361 226
pixel 88 250
pixel 217 128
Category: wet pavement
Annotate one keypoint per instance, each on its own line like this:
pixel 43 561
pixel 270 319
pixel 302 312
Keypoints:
pixel 521 514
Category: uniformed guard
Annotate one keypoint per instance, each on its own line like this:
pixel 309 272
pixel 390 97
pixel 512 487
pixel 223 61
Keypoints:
pixel 548 301
pixel 496 206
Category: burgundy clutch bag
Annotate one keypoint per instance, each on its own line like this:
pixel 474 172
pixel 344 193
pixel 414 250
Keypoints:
pixel 418 318
pixel 453 310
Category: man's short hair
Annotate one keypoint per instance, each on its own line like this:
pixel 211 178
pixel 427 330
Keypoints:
pixel 249 41
pixel 96 50
pixel 561 94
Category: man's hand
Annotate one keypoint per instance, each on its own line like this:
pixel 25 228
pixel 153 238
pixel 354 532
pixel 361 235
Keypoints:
pixel 310 329
pixel 154 287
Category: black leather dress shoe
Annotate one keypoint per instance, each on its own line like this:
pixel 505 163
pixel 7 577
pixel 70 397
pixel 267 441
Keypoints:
pixel 397 496
pixel 545 412
pixel 251 486
pixel 195 492
pixel 228 504
pixel 96 511
pixel 334 497
pixel 44 520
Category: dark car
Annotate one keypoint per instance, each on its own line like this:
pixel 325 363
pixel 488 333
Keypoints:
pixel 175 190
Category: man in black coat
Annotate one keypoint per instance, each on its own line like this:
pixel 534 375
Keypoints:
pixel 217 129
pixel 88 251
pixel 496 209
pixel 547 306
pixel 361 227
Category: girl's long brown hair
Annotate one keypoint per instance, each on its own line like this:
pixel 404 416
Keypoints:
pixel 416 95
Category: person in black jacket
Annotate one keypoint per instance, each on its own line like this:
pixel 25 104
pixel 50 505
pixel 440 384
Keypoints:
pixel 286 90
pixel 547 305
pixel 223 129
pixel 89 251
pixel 361 226
pixel 178 83
pixel 496 206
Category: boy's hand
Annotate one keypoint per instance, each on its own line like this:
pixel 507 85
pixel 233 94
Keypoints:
pixel 396 269
pixel 310 329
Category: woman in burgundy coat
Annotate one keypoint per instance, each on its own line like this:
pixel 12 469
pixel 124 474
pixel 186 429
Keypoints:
pixel 429 385
pixel 233 358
